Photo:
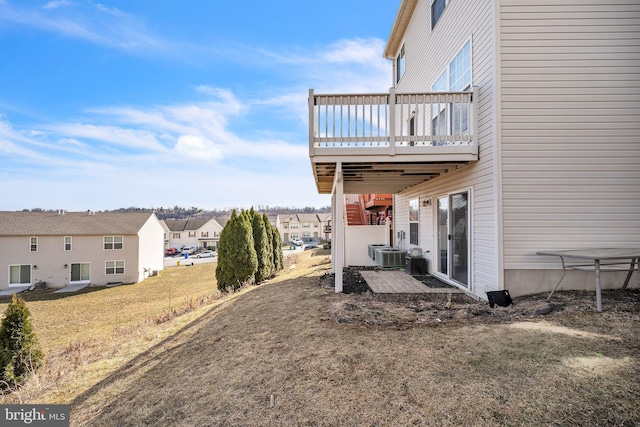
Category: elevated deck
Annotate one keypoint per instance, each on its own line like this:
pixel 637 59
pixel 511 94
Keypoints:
pixel 388 142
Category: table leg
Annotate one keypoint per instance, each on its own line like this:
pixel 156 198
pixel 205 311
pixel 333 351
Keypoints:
pixel 631 266
pixel 598 295
pixel 564 271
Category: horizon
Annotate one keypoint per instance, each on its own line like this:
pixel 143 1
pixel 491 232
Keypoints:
pixel 113 104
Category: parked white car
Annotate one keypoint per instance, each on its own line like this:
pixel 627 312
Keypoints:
pixel 206 254
pixel 188 249
pixel 297 242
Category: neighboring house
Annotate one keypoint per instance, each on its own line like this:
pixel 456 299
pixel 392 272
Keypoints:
pixel 308 227
pixel 512 127
pixel 63 248
pixel 199 233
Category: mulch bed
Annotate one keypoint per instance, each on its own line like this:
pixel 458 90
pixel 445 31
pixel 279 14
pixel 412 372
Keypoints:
pixel 358 305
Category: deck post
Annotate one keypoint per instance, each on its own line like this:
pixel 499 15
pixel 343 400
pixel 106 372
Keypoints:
pixel 391 132
pixel 337 245
pixel 312 126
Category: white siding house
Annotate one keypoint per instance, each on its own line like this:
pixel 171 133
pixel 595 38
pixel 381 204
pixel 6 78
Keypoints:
pixel 64 248
pixel 511 127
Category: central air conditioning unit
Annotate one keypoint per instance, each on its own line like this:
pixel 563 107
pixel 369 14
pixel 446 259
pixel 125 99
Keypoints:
pixel 390 257
pixel 372 250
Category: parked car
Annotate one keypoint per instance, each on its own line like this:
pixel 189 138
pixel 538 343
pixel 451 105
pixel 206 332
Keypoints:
pixel 297 242
pixel 188 249
pixel 206 254
pixel 170 251
pixel 308 246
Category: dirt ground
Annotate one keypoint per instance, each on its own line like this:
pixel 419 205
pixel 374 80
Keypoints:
pixel 361 306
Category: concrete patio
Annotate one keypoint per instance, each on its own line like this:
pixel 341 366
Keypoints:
pixel 399 282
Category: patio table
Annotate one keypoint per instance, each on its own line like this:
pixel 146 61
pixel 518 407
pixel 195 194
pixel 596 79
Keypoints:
pixel 600 260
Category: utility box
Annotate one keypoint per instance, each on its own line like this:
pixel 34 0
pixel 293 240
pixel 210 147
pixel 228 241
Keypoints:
pixel 417 266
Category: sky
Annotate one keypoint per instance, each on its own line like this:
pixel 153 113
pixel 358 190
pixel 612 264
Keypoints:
pixel 111 104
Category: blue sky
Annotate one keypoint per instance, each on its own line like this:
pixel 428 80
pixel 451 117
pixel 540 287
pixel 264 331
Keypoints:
pixel 175 102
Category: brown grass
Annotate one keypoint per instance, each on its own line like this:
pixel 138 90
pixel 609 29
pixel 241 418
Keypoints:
pixel 275 355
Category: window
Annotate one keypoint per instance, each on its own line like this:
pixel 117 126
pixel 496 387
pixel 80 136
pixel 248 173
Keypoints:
pixel 19 275
pixel 33 244
pixel 114 267
pixel 400 64
pixel 80 272
pixel 294 226
pixel 306 234
pixel 175 235
pixel 306 225
pixel 216 234
pixel 204 234
pixel 437 7
pixel 285 225
pixel 192 234
pixel 315 225
pixel 112 242
pixel 414 219
pixel 455 78
pixel 67 243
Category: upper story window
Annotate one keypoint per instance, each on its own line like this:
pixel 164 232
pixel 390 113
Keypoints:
pixel 175 235
pixel 204 234
pixel 192 234
pixel 400 64
pixel 112 242
pixel 437 7
pixel 294 226
pixel 33 244
pixel 285 225
pixel 455 78
pixel 67 243
pixel 306 225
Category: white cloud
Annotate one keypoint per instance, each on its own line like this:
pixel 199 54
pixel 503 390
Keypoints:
pixel 114 135
pixel 90 22
pixel 198 147
pixel 56 4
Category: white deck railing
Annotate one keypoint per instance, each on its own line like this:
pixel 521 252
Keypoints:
pixel 391 120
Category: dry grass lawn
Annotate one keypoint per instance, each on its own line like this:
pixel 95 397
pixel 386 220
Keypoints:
pixel 276 355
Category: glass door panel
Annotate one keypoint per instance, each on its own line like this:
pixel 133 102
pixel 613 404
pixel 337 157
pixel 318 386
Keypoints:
pixel 460 238
pixel 443 235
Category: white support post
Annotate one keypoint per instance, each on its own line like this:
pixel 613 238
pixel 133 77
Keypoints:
pixel 391 131
pixel 312 125
pixel 338 236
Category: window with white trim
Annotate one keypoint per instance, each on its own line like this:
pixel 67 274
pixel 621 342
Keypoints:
pixel 437 7
pixel 113 242
pixel 175 235
pixel 455 78
pixel 414 220
pixel 33 244
pixel 400 64
pixel 114 267
pixel 67 243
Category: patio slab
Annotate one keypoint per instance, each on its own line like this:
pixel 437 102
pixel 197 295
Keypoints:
pixel 14 290
pixel 399 282
pixel 71 288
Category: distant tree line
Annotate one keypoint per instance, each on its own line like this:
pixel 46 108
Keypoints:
pixel 178 212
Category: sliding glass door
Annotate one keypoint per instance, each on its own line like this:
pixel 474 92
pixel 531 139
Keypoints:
pixel 453 237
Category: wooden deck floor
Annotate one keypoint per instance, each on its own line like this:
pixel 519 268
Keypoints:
pixel 399 282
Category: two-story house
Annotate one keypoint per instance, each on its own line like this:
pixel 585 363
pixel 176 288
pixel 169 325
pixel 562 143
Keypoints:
pixel 198 233
pixel 308 227
pixel 511 127
pixel 64 248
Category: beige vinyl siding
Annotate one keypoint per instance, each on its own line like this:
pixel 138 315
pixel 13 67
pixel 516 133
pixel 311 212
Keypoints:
pixel 428 53
pixel 570 126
